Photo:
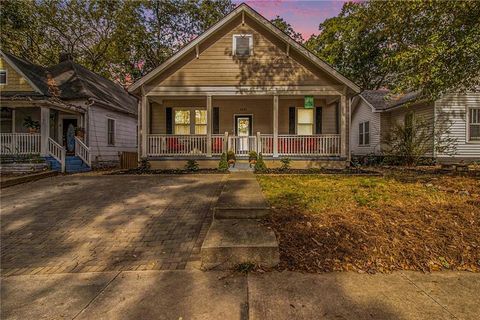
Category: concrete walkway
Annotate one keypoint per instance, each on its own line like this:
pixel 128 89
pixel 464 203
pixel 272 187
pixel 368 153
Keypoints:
pixel 193 294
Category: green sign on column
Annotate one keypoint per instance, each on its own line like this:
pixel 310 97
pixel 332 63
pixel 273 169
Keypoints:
pixel 308 102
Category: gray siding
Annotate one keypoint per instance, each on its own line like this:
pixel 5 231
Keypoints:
pixel 125 134
pixel 452 109
pixel 363 112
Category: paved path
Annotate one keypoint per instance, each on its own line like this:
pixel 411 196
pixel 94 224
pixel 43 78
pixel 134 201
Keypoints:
pixel 105 223
pixel 193 294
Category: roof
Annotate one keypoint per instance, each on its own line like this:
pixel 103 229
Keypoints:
pixel 245 9
pixel 382 100
pixel 73 82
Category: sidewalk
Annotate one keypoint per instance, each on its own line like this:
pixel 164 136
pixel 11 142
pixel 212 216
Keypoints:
pixel 193 294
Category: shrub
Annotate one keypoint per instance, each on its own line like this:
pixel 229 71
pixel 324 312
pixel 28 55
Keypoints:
pixel 223 164
pixel 252 155
pixel 231 155
pixel 192 165
pixel 143 165
pixel 260 166
pixel 285 164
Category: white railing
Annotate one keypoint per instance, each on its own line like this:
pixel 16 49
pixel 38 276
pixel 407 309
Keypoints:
pixel 82 151
pixel 288 145
pixel 19 143
pixel 176 145
pixel 242 145
pixel 57 151
pixel 316 145
pixel 266 144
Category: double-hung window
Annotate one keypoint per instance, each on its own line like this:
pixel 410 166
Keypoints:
pixel 305 121
pixel 111 132
pixel 474 124
pixel 190 121
pixel 182 121
pixel 364 133
pixel 242 45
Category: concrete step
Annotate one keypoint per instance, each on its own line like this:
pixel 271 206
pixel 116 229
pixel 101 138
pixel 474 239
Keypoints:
pixel 240 166
pixel 230 242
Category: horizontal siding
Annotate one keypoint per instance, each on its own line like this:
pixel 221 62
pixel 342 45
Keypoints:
pixel 125 134
pixel 452 111
pixel 15 82
pixel 268 65
pixel 362 113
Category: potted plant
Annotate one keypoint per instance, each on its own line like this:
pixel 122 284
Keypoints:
pixel 31 124
pixel 80 132
pixel 231 158
pixel 252 158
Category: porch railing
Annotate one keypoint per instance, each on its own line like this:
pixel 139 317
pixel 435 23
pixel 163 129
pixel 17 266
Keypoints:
pixel 19 143
pixel 82 151
pixel 57 151
pixel 288 145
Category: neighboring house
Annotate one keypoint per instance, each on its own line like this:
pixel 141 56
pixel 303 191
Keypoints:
pixel 78 114
pixel 244 85
pixel 454 116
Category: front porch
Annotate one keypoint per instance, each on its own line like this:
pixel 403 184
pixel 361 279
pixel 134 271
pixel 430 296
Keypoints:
pixel 42 129
pixel 276 126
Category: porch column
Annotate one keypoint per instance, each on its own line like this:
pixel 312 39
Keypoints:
pixel 144 124
pixel 209 126
pixel 13 121
pixel 44 130
pixel 343 125
pixel 275 126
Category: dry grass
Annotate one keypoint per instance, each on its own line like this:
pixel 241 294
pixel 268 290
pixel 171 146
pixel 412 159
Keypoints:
pixel 402 221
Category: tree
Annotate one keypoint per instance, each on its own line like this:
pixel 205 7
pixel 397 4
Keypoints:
pixel 286 27
pixel 431 46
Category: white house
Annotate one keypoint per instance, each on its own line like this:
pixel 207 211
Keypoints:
pixel 374 113
pixel 67 114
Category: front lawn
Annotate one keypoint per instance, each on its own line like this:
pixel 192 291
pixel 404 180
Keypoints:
pixel 401 221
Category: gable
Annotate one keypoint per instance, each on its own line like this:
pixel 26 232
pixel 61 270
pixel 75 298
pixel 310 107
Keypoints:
pixel 269 64
pixel 15 81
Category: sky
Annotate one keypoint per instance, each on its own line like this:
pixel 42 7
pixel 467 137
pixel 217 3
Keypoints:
pixel 303 15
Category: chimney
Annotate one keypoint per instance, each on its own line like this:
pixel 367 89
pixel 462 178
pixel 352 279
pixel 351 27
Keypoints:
pixel 65 56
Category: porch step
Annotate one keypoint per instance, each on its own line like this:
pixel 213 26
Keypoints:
pixel 230 242
pixel 241 166
pixel 73 164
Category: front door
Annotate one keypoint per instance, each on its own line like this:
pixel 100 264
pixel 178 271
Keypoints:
pixel 243 129
pixel 69 126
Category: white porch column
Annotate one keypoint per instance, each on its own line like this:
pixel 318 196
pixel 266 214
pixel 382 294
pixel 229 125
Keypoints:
pixel 144 125
pixel 44 130
pixel 275 126
pixel 343 125
pixel 209 126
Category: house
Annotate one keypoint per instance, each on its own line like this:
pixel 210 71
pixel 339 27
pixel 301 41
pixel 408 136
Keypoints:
pixel 244 85
pixel 453 117
pixel 65 113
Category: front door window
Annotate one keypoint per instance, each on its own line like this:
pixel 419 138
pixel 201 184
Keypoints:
pixel 243 132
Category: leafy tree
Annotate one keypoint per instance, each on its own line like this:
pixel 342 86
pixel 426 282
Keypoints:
pixel 286 27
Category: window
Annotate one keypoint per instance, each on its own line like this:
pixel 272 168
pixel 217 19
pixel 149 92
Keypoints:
pixel 409 120
pixel 3 76
pixel 474 124
pixel 182 122
pixel 305 122
pixel 111 132
pixel 200 121
pixel 364 133
pixel 242 45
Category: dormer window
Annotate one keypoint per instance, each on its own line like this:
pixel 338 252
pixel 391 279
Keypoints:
pixel 242 45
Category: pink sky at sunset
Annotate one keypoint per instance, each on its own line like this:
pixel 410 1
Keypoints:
pixel 304 15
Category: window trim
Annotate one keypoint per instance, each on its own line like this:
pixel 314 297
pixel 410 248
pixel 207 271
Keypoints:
pixel 296 120
pixel 114 132
pixel 250 44
pixel 6 77
pixel 468 124
pixel 363 133
pixel 192 123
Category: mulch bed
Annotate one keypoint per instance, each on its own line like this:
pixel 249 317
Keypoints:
pixel 138 171
pixel 393 236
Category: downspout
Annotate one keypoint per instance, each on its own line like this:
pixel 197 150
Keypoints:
pixel 350 102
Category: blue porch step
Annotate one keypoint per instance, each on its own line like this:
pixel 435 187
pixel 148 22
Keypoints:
pixel 73 164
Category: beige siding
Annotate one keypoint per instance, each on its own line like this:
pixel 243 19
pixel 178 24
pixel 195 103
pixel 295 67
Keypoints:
pixel 15 82
pixel 362 113
pixel 269 64
pixel 451 110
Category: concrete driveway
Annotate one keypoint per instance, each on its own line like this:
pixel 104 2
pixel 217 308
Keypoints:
pixel 105 223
